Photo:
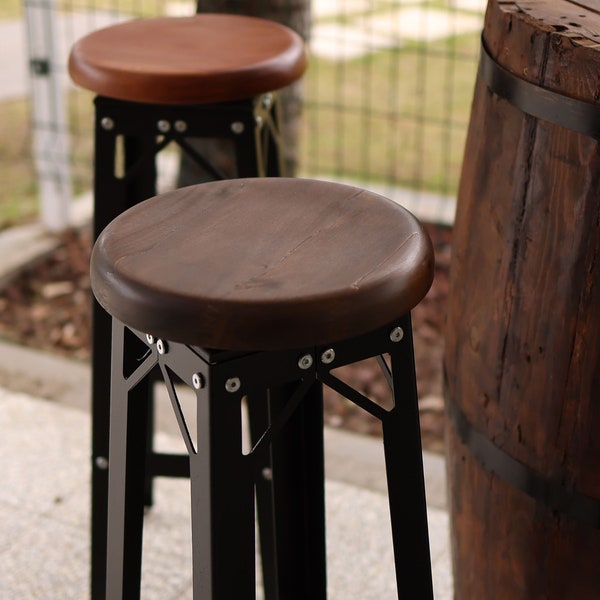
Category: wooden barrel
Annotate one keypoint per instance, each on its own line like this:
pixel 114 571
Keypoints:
pixel 522 358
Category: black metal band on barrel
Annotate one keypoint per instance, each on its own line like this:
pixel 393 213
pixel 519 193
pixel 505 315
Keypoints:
pixel 576 115
pixel 550 493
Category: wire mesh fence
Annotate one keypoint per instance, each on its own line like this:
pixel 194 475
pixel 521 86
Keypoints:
pixel 386 98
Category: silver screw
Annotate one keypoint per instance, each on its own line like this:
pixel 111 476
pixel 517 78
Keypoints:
pixel 396 334
pixel 233 384
pixel 198 381
pixel 328 356
pixel 237 127
pixel 305 362
pixel 102 462
pixel 267 474
pixel 161 346
pixel 180 126
pixel 150 339
pixel 107 123
pixel 163 126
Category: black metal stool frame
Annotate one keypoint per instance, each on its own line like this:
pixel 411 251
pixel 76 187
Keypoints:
pixel 120 181
pixel 223 479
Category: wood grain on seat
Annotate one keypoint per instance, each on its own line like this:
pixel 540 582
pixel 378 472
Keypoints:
pixel 262 264
pixel 188 60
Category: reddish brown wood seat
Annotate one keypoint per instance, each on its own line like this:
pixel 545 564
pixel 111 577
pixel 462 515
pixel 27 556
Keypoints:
pixel 201 59
pixel 262 264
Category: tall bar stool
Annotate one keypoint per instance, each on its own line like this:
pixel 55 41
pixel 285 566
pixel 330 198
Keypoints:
pixel 160 81
pixel 257 290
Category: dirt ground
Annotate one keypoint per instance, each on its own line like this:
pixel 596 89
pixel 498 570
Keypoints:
pixel 48 307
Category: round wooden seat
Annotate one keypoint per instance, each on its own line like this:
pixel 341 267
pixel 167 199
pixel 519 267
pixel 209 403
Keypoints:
pixel 262 264
pixel 201 59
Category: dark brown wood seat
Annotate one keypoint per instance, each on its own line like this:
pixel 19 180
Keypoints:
pixel 201 59
pixel 262 264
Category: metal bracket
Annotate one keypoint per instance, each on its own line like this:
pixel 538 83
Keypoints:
pixel 39 66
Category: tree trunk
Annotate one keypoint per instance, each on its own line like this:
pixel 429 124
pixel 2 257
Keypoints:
pixel 294 14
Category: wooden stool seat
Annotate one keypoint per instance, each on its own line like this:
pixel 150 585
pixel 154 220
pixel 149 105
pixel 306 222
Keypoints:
pixel 262 264
pixel 201 59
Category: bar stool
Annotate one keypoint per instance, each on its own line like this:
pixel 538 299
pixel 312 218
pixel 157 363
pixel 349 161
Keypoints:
pixel 257 290
pixel 160 81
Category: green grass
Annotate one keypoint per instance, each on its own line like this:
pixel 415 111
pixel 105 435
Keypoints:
pixel 397 117
pixel 12 9
pixel 19 191
pixel 18 200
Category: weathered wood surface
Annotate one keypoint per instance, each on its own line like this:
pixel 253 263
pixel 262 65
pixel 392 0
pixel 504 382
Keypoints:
pixel 262 264
pixel 523 334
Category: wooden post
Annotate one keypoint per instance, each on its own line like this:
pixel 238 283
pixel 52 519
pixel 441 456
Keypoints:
pixel 295 15
pixel 523 334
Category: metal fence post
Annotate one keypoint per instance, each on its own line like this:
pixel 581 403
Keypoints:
pixel 49 114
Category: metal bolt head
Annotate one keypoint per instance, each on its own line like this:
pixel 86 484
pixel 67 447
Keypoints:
pixel 107 123
pixel 396 334
pixel 233 384
pixel 328 356
pixel 161 346
pixel 198 381
pixel 237 127
pixel 180 126
pixel 267 474
pixel 163 126
pixel 305 362
pixel 150 339
pixel 267 100
pixel 101 462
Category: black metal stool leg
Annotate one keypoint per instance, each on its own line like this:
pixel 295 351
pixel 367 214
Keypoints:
pixel 405 480
pixel 299 497
pixel 222 488
pixel 109 200
pixel 258 423
pixel 402 446
pixel 100 442
pixel 291 496
pixel 128 420
pixel 112 196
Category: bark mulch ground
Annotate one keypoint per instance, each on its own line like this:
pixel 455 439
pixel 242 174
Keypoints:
pixel 48 307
